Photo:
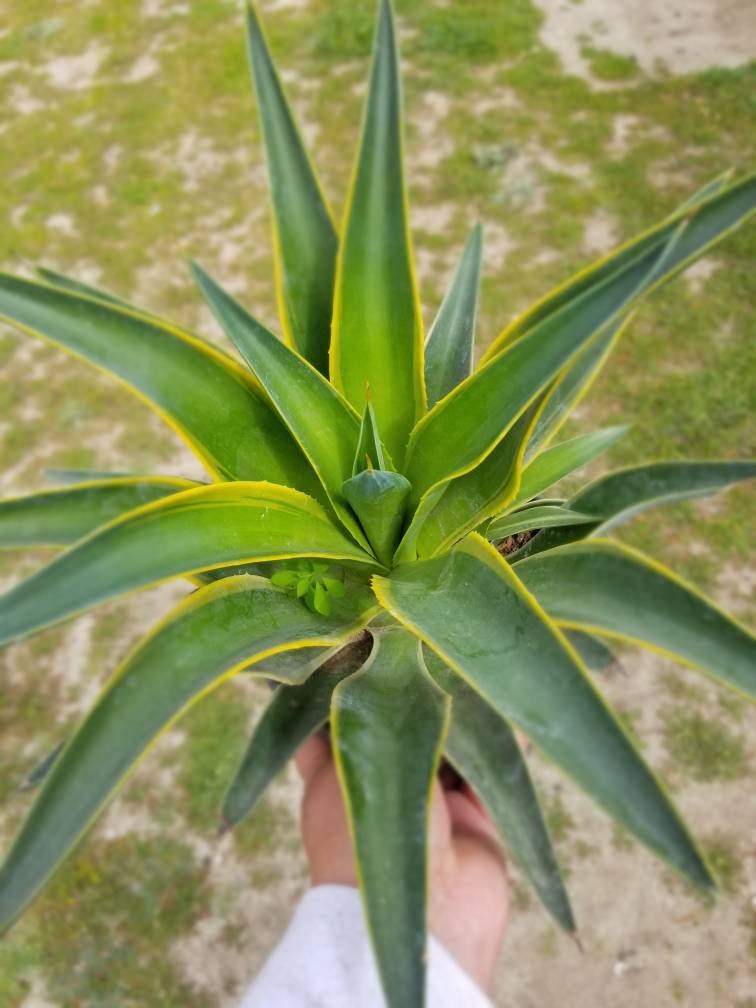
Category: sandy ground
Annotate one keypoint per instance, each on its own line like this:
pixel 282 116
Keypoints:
pixel 680 36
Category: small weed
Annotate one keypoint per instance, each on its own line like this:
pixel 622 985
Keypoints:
pixel 547 943
pixel 680 688
pixel 732 704
pixel 610 66
pixel 629 718
pixel 678 990
pixel 584 850
pixel 621 840
pixel 521 897
pixel 558 819
pixel 8 346
pixel 722 853
pixel 703 748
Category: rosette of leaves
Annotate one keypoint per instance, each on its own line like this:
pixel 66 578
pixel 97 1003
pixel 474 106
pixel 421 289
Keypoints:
pixel 377 534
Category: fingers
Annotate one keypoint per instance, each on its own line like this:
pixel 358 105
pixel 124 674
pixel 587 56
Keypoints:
pixel 468 815
pixel 312 756
pixel 325 833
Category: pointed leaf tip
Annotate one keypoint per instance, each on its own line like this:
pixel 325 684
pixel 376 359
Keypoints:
pixel 377 324
pixel 304 237
pixel 449 348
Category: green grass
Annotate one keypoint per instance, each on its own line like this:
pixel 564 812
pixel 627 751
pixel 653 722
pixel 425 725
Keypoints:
pixel 722 853
pixel 157 170
pixel 217 733
pixel 118 904
pixel 704 748
pixel 610 66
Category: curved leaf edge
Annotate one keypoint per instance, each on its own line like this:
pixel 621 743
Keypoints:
pixel 378 582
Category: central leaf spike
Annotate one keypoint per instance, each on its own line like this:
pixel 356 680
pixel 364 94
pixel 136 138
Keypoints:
pixel 370 452
pixel 376 494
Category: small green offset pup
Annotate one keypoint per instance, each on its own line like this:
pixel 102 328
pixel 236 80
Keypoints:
pixel 378 536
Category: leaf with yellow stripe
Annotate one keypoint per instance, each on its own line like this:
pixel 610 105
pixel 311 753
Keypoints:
pixel 483 748
pixel 202 643
pixel 471 608
pixel 210 401
pixel 69 283
pixel 624 493
pixel 560 460
pixel 388 724
pixel 304 236
pixel 471 499
pixel 292 715
pixel 451 340
pixel 607 588
pixel 377 338
pixel 713 196
pixel 323 424
pixel 59 517
pixel 195 530
pixel 461 429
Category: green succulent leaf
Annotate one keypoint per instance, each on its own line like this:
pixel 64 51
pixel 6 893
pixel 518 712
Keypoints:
pixel 59 517
pixel 377 338
pixel 710 213
pixel 450 343
pixel 560 460
pixel 548 516
pixel 483 748
pixel 594 653
pixel 292 715
pixel 42 769
pixel 68 476
pixel 377 498
pixel 56 279
pixel 305 239
pixel 388 724
pixel 323 424
pixel 212 403
pixel 466 502
pixel 468 423
pixel 574 382
pixel 609 589
pixel 702 221
pixel 369 454
pixel 513 655
pixel 203 642
pixel 625 493
pixel 208 527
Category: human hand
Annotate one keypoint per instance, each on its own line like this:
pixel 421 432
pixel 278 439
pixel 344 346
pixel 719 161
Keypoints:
pixel 467 880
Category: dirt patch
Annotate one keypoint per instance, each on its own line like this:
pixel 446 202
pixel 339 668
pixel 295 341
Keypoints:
pixel 682 36
pixel 699 273
pixel 600 233
pixel 76 73
pixel 146 66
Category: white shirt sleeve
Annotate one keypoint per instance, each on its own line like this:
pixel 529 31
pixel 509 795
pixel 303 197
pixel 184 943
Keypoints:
pixel 324 960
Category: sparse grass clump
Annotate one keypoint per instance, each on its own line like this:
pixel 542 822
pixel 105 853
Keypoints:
pixel 703 747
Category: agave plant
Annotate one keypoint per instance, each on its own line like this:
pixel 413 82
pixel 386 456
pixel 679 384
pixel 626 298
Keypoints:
pixel 377 537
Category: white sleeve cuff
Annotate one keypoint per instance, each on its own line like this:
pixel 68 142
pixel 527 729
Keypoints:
pixel 324 960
